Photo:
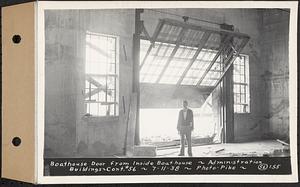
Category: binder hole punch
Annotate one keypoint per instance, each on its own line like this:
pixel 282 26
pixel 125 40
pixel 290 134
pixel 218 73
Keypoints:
pixel 16 141
pixel 16 39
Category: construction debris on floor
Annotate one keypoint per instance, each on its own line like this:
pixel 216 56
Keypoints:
pixel 268 148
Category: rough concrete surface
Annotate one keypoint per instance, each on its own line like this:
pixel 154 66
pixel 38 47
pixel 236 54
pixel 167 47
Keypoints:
pixel 250 149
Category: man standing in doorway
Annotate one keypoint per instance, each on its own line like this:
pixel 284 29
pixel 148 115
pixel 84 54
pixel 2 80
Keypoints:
pixel 185 126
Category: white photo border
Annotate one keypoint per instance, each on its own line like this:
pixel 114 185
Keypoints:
pixel 41 6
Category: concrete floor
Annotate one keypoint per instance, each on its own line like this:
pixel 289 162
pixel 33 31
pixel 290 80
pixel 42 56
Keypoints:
pixel 249 149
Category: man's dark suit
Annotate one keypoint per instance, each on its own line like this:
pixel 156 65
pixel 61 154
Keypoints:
pixel 185 127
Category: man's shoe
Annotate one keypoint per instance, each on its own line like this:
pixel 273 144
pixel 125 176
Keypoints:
pixel 190 155
pixel 181 154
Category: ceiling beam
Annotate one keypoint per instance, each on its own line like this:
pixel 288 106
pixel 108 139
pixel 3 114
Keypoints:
pixel 200 47
pixel 162 40
pixel 203 28
pixel 179 38
pixel 223 45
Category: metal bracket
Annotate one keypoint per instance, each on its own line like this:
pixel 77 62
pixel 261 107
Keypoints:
pixel 185 18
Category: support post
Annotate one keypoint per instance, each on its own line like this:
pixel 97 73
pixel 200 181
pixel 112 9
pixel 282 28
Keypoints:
pixel 136 70
pixel 228 99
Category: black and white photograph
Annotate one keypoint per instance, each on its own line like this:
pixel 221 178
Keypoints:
pixel 167 83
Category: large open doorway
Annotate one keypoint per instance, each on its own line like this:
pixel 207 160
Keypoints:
pixel 158 125
pixel 182 61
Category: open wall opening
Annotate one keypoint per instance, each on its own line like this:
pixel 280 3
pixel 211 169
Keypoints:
pixel 159 115
pixel 163 123
pixel 184 62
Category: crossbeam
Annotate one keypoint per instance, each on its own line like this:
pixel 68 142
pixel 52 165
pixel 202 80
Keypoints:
pixel 101 102
pixel 99 86
pixel 95 91
pixel 203 28
pixel 162 40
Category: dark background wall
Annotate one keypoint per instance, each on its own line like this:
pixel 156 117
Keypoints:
pixel 13 2
pixel 275 53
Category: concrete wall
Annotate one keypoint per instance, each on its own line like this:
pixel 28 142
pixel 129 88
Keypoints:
pixel 276 77
pixel 67 132
pixel 268 80
pixel 61 83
